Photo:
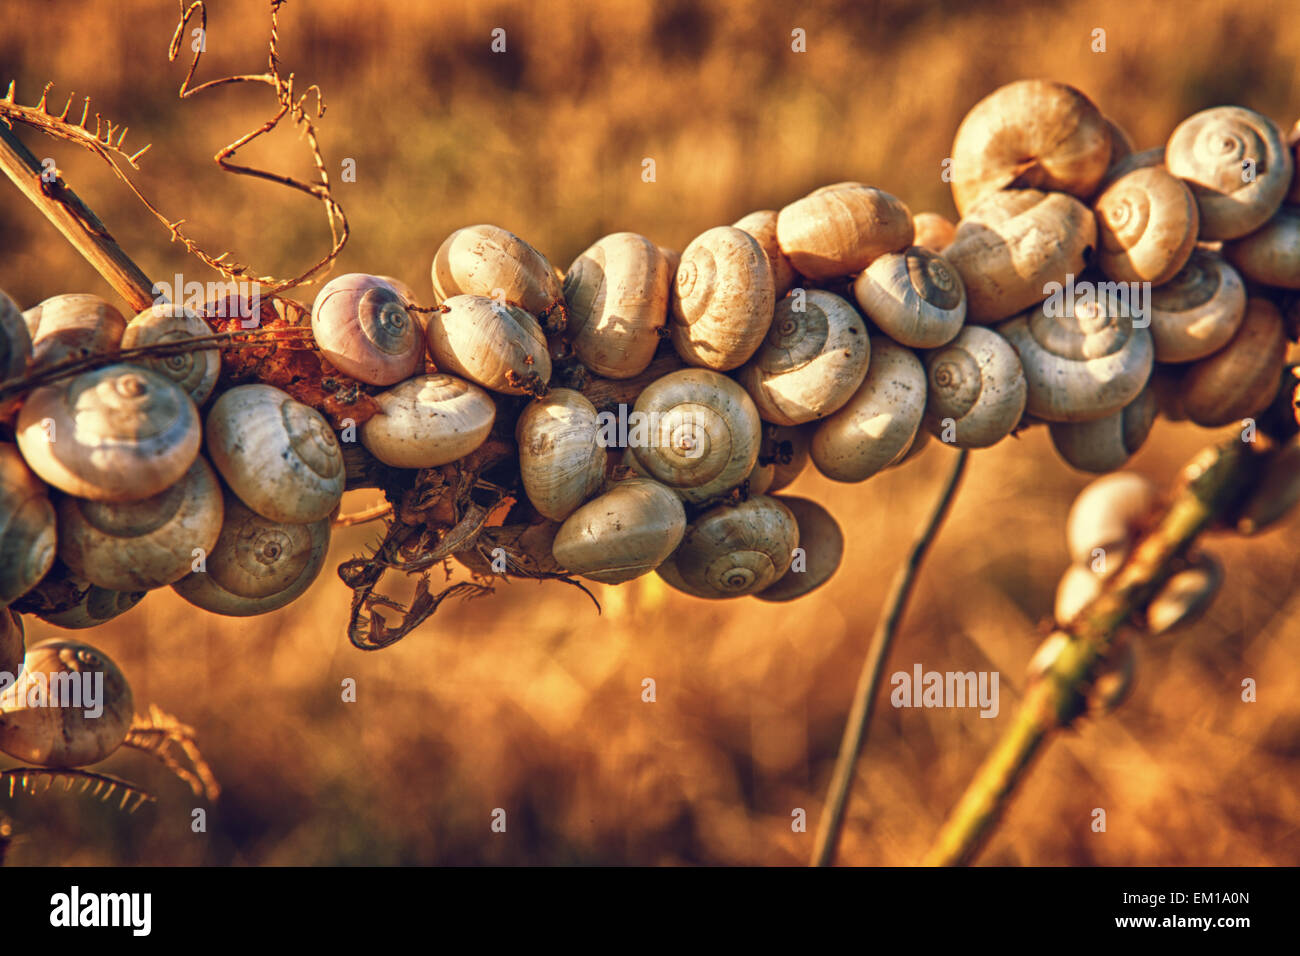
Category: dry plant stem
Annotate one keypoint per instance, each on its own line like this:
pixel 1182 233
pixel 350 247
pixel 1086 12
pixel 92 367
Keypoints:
pixel 855 728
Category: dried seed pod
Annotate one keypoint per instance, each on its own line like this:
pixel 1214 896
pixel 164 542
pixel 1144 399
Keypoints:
pixel 817 557
pixel 27 527
pixel 1105 444
pixel 1146 226
pixel 1198 311
pixel 1009 247
pixel 933 231
pixel 362 327
pixel 842 229
pixel 914 296
pixel 1106 517
pixel 878 423
pixel 977 391
pixel 1277 492
pixel 730 551
pixel 1270 254
pixel 1077 589
pixel 1185 596
pixel 428 420
pixel 196 372
pixel 117 433
pixel 786 447
pixel 490 261
pixel 1237 166
pixel 762 226
pixel 278 455
pixel 617 292
pixel 15 341
pixel 625 533
pixel 70 707
pixel 561 458
pixel 1241 378
pixel 814 358
pixel 1032 134
pixel 72 326
pixel 500 347
pixel 13 646
pixel 722 299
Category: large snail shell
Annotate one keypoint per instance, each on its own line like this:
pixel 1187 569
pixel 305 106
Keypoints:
pixel 500 347
pixel 786 447
pixel 15 340
pixel 1106 517
pixel 704 433
pixel 72 326
pixel 493 262
pixel 914 296
pixel 880 420
pixel 1270 254
pixel 1146 226
pixel 722 299
pixel 814 358
pixel 257 565
pixel 1198 311
pixel 975 382
pixel 278 455
pixel 626 532
pixel 1241 378
pixel 139 545
pixel 88 723
pixel 427 421
pixel 933 231
pixel 196 372
pixel 1012 244
pixel 118 433
pixel 1032 134
pixel 27 527
pixel 561 459
pixel 617 292
pixel 13 645
pixel 361 325
pixel 762 226
pixel 734 550
pixel 1106 443
pixel 1211 150
pixel 822 544
pixel 840 230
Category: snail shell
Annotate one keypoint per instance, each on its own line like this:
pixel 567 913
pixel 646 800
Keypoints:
pixel 734 550
pixel 1185 596
pixel 428 420
pixel 408 296
pixel 933 231
pixel 118 433
pixel 1033 134
pixel 914 296
pixel 362 327
pixel 1146 226
pixel 561 459
pixel 1077 589
pixel 12 642
pixel 278 455
pixel 617 293
pixel 919 444
pixel 1198 311
pixel 1270 254
pixel 1012 244
pixel 1242 377
pixel 1106 516
pixel 842 229
pixel 977 382
pixel 822 543
pixel 625 533
pixel 490 261
pixel 257 565
pixel 196 372
pixel 27 527
pixel 15 340
pixel 1113 681
pixel 72 326
pixel 812 361
pixel 1211 150
pixel 74 733
pixel 880 420
pixel 760 478
pixel 1106 443
pixel 500 347
pixel 722 299
pixel 762 226
pixel 79 603
pixel 704 433
pixel 1146 159
pixel 139 545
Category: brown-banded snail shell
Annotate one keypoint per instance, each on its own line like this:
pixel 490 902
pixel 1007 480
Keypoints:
pixel 762 226
pixel 500 347
pixel 1105 519
pixel 915 297
pixel 976 390
pixel 1241 378
pixel 561 458
pixel 197 371
pixel 818 555
pixel 493 262
pixel 840 230
pixel 27 527
pixel 933 231
pixel 1146 226
pixel 722 299
pixel 624 533
pixel 734 550
pixel 362 327
pixel 1105 444
pixel 1198 311
pixel 1270 254
pixel 72 326
pixel 428 420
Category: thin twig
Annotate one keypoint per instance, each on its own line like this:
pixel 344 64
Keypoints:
pixel 855 728
pixel 373 513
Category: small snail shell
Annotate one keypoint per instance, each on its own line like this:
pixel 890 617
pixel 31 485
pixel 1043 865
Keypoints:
pixel 278 455
pixel 1270 254
pixel 1198 311
pixel 67 731
pixel 878 423
pixel 428 420
pixel 617 292
pixel 933 231
pixel 1080 366
pixel 722 299
pixel 1113 681
pixel 842 229
pixel 257 565
pixel 492 262
pixel 1105 444
pixel 1105 519
pixel 1146 159
pixel 734 550
pixel 1211 150
pixel 139 545
pixel 813 359
pixel 1077 589
pixel 27 527
pixel 72 326
pixel 625 533
pixel 787 448
pixel 1185 596
pixel 822 545
pixel 1242 377
pixel 976 382
pixel 118 433
pixel 15 340
pixel 561 459
pixel 1032 134
pixel 762 226
pixel 362 327
pixel 196 372
pixel 12 642
pixel 704 433
pixel 1277 492
pixel 1146 226
pixel 1012 244
pixel 500 347
pixel 914 296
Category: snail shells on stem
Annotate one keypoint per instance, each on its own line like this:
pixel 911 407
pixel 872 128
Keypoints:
pixel 1147 224
pixel 1198 311
pixel 361 325
pixel 27 527
pixel 489 261
pixel 976 390
pixel 734 550
pixel 1241 378
pixel 915 297
pixel 428 420
pixel 500 347
pixel 624 533
pixel 722 299
pixel 1187 595
pixel 196 372
pixel 840 230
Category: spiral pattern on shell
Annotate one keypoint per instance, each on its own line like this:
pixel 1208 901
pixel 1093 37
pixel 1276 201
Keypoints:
pixel 977 389
pixel 731 551
pixel 1147 224
pixel 361 325
pixel 722 299
pixel 195 371
pixel 914 296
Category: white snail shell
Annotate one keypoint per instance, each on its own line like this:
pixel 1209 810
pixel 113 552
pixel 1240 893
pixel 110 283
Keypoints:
pixel 822 544
pixel 1105 444
pixel 561 459
pixel 722 299
pixel 428 420
pixel 15 340
pixel 27 527
pixel 734 550
pixel 1198 311
pixel 72 326
pixel 489 261
pixel 1077 589
pixel 1185 596
pixel 1241 378
pixel 625 533
pixel 933 231
pixel 915 297
pixel 762 226
pixel 362 327
pixel 977 384
pixel 1147 224
pixel 1106 517
pixel 1270 254
pixel 196 372
pixel 500 347
pixel 840 230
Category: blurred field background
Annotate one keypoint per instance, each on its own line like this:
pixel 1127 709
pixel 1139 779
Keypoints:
pixel 528 700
